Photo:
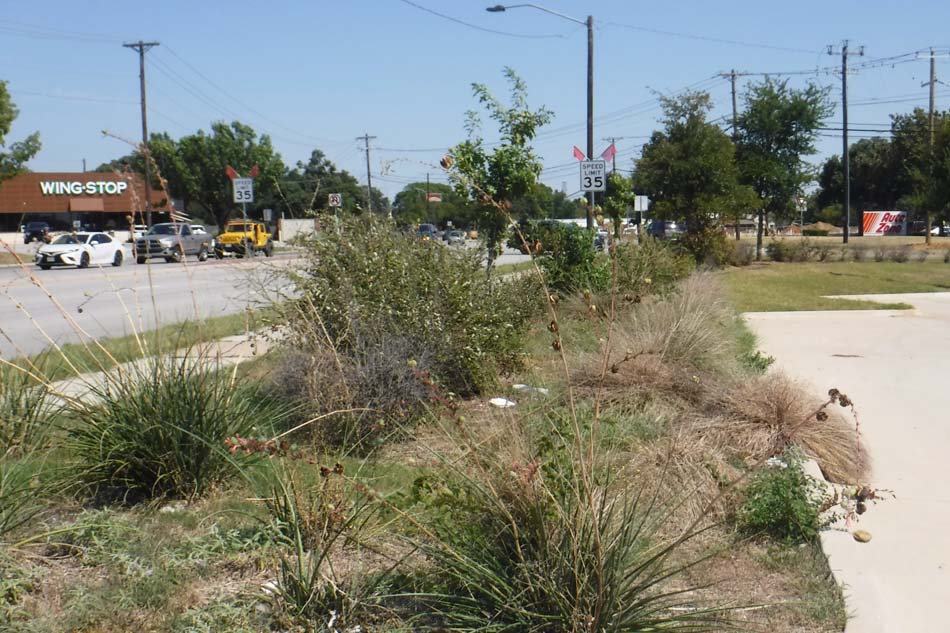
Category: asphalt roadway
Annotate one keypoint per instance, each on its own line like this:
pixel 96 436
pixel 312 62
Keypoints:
pixel 895 366
pixel 37 306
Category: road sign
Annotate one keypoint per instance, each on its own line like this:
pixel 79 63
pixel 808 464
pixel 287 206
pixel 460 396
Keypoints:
pixel 336 199
pixel 268 215
pixel 243 190
pixel 641 203
pixel 593 175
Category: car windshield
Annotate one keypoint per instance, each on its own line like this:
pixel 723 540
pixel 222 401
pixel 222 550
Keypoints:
pixel 163 229
pixel 67 239
pixel 240 228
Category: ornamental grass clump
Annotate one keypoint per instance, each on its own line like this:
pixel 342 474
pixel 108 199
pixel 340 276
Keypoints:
pixel 159 429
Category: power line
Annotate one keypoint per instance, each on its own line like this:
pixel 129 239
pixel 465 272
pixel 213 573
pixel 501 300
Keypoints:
pixel 482 28
pixel 706 38
pixel 74 97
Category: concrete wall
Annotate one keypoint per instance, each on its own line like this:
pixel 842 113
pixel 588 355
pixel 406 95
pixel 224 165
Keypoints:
pixel 290 229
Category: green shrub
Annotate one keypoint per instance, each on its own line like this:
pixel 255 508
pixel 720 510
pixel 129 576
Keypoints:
pixel 570 260
pixel 18 494
pixel 814 232
pixel 858 253
pixel 791 250
pixel 900 254
pixel 742 253
pixel 781 501
pixel 159 430
pixel 708 246
pixel 438 300
pixel 651 267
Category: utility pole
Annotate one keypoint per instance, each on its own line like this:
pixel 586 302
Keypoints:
pixel 844 131
pixel 366 138
pixel 613 140
pixel 933 83
pixel 142 48
pixel 735 124
pixel 427 197
pixel 590 112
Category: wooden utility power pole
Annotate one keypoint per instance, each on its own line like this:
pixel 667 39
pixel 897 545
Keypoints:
pixel 142 48
pixel 844 131
pixel 933 83
pixel 613 140
pixel 366 138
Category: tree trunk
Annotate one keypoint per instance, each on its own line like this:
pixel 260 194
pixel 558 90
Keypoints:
pixel 738 237
pixel 930 222
pixel 758 236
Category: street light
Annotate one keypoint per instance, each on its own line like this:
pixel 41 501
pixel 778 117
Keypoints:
pixel 589 23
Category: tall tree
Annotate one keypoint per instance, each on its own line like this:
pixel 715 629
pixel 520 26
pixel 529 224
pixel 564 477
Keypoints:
pixel 493 180
pixel 13 157
pixel 876 180
pixel 204 158
pixel 918 165
pixel 776 131
pixel 410 207
pixel 688 168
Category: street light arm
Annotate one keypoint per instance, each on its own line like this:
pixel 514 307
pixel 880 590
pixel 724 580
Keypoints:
pixel 500 7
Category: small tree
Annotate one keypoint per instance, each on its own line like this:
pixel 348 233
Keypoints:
pixel 618 199
pixel 494 180
pixel 775 131
pixel 13 160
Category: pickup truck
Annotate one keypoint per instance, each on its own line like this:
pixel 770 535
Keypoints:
pixel 172 241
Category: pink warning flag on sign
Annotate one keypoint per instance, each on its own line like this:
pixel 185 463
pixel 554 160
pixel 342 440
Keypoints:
pixel 230 172
pixel 610 152
pixel 578 154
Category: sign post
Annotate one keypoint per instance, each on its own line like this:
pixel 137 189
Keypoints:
pixel 335 200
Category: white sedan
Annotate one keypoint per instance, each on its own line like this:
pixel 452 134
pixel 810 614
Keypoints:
pixel 80 250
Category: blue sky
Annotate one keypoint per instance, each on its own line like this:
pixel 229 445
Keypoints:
pixel 318 74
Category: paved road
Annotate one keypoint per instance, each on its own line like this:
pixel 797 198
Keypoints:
pixel 895 366
pixel 93 298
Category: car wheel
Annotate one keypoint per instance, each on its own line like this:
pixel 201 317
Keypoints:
pixel 84 260
pixel 219 254
pixel 269 249
pixel 202 254
pixel 140 260
pixel 119 256
pixel 45 266
pixel 176 256
pixel 248 248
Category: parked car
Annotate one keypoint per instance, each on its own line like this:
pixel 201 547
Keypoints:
pixel 173 242
pixel 80 250
pixel 427 232
pixel 664 229
pixel 199 229
pixel 35 231
pixel 138 232
pixel 455 237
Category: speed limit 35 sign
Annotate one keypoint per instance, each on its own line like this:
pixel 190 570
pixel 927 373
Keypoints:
pixel 243 190
pixel 593 175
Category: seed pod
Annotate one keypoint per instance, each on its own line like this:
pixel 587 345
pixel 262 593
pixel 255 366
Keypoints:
pixel 556 344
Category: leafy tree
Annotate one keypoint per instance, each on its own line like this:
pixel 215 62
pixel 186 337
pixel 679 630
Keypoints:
pixel 618 199
pixel 777 128
pixel 541 201
pixel 304 190
pixel 409 206
pixel 493 180
pixel 875 177
pixel 13 159
pixel 688 169
pixel 920 175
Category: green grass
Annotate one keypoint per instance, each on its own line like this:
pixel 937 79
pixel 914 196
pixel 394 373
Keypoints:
pixel 805 286
pixel 127 348
pixel 507 269
pixel 820 598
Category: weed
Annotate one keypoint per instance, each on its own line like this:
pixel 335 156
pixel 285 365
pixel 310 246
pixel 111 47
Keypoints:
pixel 901 254
pixel 18 494
pixel 781 501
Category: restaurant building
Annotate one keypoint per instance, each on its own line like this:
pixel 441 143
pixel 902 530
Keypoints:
pixel 98 201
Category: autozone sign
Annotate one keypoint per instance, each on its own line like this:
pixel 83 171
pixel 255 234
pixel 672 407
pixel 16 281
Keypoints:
pixel 885 223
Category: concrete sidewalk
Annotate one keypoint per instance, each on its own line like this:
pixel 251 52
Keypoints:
pixel 222 353
pixel 895 366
